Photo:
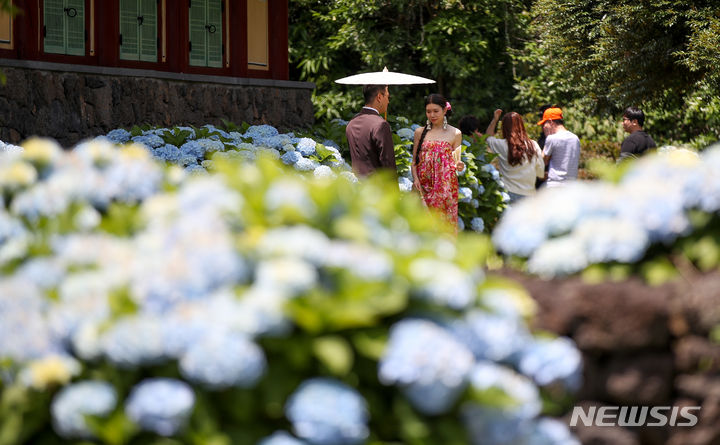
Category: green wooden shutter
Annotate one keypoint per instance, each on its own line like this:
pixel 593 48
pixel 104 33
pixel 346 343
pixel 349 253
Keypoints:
pixel 148 31
pixel 214 21
pixel 53 18
pixel 75 28
pixel 198 33
pixel 129 29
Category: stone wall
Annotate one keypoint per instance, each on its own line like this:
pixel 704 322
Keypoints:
pixel 642 345
pixel 71 106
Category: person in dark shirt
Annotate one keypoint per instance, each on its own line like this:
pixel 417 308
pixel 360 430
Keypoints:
pixel 638 142
pixel 369 135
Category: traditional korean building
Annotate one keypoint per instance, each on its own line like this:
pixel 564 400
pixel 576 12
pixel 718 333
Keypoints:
pixel 76 68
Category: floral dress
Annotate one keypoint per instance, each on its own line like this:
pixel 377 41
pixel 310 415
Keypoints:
pixel 436 172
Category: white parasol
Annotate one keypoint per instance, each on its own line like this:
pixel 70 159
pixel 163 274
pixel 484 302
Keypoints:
pixel 383 77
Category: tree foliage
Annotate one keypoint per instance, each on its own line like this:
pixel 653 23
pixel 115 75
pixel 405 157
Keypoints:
pixel 460 43
pixel 593 58
pixel 605 55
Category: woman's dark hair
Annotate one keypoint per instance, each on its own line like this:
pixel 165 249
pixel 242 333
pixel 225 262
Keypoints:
pixel 468 125
pixel 436 99
pixel 520 146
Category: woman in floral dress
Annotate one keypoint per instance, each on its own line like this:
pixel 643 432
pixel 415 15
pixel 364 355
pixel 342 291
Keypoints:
pixel 436 159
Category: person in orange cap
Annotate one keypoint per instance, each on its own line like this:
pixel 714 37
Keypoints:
pixel 562 149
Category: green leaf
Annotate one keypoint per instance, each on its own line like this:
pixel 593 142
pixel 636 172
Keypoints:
pixel 715 334
pixel 116 429
pixel 121 303
pixel 371 344
pixel 120 220
pixel 658 271
pixel 335 353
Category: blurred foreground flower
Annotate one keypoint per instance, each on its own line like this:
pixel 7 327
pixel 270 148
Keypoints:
pixel 230 306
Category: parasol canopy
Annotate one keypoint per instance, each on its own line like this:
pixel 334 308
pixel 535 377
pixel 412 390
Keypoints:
pixel 383 77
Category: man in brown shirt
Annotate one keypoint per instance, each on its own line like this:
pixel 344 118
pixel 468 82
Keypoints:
pixel 369 135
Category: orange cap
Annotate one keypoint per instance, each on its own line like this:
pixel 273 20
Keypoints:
pixel 551 114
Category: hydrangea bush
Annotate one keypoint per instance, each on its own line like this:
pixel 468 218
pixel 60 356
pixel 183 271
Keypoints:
pixel 195 149
pixel 647 217
pixel 482 195
pixel 254 305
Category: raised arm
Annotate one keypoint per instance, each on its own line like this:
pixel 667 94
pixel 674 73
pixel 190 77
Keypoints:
pixel 493 124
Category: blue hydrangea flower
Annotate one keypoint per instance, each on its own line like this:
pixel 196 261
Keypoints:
pixel 489 168
pixel 550 361
pixel 44 272
pixel 214 129
pixel 150 140
pixel 45 199
pixel 361 260
pixel 160 405
pixel 127 179
pixel 547 431
pixel 558 257
pixel 119 136
pixel 442 282
pixel 281 438
pixel 522 396
pixel 491 336
pixel 195 169
pixel 222 360
pixel 327 412
pixel 134 341
pixel 291 157
pixel 261 131
pixel 306 165
pixel 350 176
pixel 405 184
pixel 464 194
pixel 477 224
pixel 168 152
pixel 290 276
pixel 427 362
pixel 298 241
pixel 194 148
pixel 21 310
pixel 72 403
pixel 331 144
pixel 306 146
pixel 488 425
pixel 406 134
pixel 211 145
pixel 289 194
pixel 323 171
pixel 9 148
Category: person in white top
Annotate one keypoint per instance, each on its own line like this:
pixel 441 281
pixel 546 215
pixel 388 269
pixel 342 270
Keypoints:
pixel 520 157
pixel 562 149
